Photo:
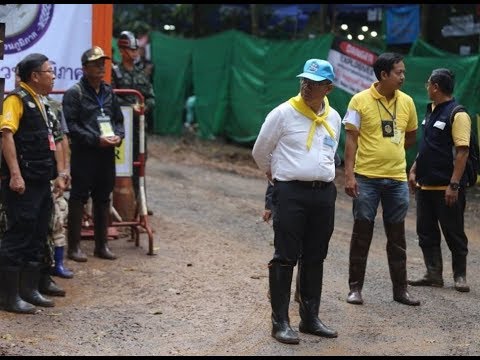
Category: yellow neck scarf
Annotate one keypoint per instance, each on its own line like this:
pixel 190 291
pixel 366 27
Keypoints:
pixel 299 104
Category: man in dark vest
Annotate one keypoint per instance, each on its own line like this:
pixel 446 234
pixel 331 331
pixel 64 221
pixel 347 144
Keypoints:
pixel 437 178
pixel 31 157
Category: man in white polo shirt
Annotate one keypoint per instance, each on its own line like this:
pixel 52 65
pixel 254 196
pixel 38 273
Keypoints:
pixel 296 150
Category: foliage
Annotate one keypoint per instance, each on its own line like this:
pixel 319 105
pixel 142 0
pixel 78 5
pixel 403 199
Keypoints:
pixel 195 21
pixel 140 18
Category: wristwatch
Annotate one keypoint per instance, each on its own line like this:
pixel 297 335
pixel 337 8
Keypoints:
pixel 454 186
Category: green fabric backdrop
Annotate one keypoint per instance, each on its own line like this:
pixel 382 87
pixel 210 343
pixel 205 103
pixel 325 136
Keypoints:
pixel 238 79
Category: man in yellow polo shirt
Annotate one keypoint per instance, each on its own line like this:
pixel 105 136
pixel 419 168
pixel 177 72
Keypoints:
pixel 380 123
pixel 438 171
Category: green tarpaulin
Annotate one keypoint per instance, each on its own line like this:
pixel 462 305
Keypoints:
pixel 237 79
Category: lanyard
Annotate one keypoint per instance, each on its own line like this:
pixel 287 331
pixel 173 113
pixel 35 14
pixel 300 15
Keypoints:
pixel 389 113
pixel 100 101
pixel 40 102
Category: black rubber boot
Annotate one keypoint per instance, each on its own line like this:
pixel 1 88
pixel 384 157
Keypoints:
pixel 101 214
pixel 397 263
pixel 311 278
pixel 48 286
pixel 359 245
pixel 459 267
pixel 9 288
pixel 280 280
pixel 75 217
pixel 29 284
pixel 434 265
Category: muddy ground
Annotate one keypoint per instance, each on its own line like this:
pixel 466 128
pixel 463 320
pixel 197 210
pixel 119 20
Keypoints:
pixel 204 292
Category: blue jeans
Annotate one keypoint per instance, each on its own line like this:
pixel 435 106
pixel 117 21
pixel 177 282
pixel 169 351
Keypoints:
pixel 392 193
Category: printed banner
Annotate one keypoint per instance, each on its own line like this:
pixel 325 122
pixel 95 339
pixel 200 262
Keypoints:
pixel 353 65
pixel 62 32
pixel 403 24
pixel 2 38
pixel 2 94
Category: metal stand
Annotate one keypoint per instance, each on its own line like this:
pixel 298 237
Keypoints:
pixel 141 215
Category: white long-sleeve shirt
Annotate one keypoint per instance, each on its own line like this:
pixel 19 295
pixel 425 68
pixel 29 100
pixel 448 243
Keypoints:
pixel 281 146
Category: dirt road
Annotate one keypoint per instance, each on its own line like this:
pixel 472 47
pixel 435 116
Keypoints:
pixel 204 293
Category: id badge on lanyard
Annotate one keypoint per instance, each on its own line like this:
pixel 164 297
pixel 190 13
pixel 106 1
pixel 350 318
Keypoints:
pixel 389 127
pixel 396 138
pixel 105 125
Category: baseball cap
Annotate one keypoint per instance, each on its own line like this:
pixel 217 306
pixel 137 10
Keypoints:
pixel 93 54
pixel 127 40
pixel 318 70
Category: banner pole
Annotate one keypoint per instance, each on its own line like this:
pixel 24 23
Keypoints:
pixel 102 32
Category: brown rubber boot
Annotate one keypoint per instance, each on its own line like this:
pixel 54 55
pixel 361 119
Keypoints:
pixel 359 245
pixel 101 214
pixel 459 266
pixel 434 264
pixel 74 230
pixel 397 263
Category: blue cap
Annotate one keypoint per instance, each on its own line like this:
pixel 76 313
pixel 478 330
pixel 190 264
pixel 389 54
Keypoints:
pixel 318 70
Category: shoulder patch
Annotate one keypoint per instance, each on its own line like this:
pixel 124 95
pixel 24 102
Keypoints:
pixel 22 93
pixel 117 71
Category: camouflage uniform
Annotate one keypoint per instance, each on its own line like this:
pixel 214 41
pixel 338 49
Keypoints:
pixel 137 80
pixel 58 133
pixel 58 220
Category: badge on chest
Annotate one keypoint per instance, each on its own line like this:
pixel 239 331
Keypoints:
pixel 105 125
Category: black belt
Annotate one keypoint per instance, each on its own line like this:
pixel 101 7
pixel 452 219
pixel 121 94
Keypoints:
pixel 312 184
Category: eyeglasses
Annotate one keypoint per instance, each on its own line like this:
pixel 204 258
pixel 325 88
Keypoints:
pixel 46 71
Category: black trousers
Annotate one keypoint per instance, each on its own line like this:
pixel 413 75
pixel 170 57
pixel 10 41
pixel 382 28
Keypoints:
pixel 303 222
pixel 433 214
pixel 28 217
pixel 93 173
